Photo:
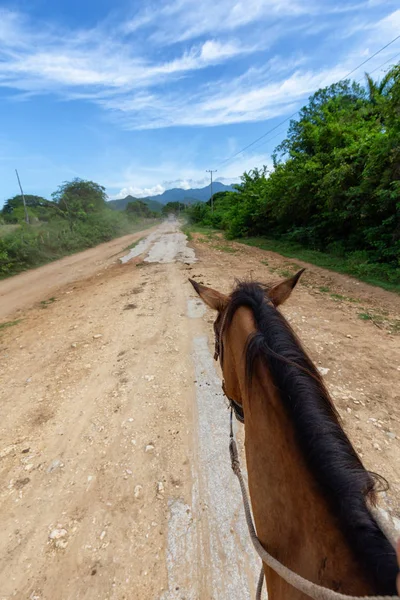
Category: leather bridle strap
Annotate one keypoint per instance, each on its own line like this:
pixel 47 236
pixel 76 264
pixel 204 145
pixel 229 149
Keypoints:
pixel 218 353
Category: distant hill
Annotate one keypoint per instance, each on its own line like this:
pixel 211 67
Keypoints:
pixel 121 203
pixel 190 196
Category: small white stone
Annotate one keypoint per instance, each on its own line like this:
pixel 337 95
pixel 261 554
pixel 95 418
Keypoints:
pixel 55 464
pixel 97 336
pixel 149 448
pixel 323 370
pixel 137 491
pixel 57 534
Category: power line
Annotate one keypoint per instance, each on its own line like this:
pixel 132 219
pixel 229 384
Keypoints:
pixel 268 140
pixel 371 57
pixel 258 139
pixel 358 81
pixel 382 65
pixel 295 113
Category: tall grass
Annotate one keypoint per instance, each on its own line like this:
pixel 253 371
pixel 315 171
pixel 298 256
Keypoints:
pixel 353 263
pixel 31 246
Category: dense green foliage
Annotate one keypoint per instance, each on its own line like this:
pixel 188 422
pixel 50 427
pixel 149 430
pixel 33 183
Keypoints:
pixel 138 208
pixel 77 199
pixel 173 208
pixel 77 218
pixel 335 185
pixel 38 209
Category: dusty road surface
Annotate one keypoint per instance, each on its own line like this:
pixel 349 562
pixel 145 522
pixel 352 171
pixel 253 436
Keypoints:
pixel 114 465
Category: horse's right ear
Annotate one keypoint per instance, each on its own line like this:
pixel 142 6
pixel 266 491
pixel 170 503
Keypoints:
pixel 211 297
pixel 282 291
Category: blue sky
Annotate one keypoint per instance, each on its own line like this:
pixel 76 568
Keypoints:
pixel 148 95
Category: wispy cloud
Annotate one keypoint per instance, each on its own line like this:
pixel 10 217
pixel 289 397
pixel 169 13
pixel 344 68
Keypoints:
pixel 140 90
pixel 232 103
pixel 184 19
pixel 46 62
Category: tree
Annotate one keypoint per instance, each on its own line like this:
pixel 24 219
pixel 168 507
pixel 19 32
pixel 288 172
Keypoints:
pixel 173 208
pixel 79 198
pixel 138 208
pixel 335 185
pixel 376 90
pixel 38 208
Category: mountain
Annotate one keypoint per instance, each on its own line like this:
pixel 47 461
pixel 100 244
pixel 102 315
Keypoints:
pixel 122 202
pixel 190 196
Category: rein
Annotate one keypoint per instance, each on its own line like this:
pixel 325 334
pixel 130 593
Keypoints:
pixel 310 589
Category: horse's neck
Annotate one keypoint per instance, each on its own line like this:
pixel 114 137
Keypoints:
pixel 292 518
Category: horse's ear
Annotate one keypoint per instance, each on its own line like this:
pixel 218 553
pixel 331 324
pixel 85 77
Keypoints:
pixel 281 292
pixel 211 297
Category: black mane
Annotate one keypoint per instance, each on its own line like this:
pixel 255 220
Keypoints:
pixel 330 456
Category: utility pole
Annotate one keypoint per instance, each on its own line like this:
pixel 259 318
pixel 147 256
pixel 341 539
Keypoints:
pixel 212 200
pixel 23 198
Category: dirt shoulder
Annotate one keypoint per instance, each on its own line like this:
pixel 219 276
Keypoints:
pixel 94 392
pixel 35 285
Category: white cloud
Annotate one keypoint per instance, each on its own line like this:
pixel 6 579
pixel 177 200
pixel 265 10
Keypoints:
pixel 139 89
pixel 159 188
pixel 88 64
pixel 138 192
pixel 230 103
pixel 390 25
pixel 184 19
pixel 192 177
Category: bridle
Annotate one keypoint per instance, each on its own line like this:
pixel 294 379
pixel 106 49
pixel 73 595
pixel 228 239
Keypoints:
pixel 219 354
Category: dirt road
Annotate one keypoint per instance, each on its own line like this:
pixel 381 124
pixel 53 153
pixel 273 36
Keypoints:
pixel 113 432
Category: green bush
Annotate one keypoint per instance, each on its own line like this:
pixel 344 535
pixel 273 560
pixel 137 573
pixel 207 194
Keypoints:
pixel 77 218
pixel 335 186
pixel 30 246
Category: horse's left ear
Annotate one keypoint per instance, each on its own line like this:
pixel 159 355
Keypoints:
pixel 281 292
pixel 211 297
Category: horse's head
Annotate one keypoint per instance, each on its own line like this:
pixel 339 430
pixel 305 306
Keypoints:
pixel 220 302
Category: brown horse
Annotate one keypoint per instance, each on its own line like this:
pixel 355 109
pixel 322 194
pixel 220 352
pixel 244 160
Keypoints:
pixel 309 489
